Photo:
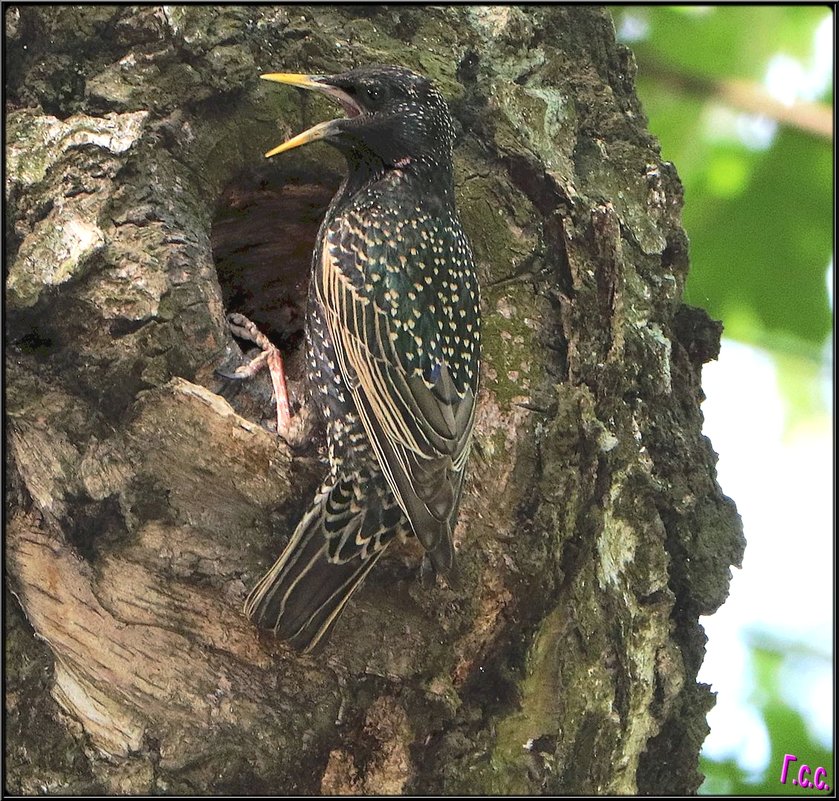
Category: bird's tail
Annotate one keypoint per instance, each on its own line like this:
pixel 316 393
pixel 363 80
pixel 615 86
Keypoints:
pixel 332 550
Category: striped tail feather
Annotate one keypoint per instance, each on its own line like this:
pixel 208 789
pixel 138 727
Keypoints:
pixel 332 550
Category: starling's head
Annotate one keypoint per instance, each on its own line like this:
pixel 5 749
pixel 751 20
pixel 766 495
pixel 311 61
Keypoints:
pixel 393 116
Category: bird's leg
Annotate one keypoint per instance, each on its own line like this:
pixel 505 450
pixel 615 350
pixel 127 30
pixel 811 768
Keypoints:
pixel 270 357
pixel 297 430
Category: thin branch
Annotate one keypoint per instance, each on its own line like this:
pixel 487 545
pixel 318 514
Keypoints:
pixel 815 119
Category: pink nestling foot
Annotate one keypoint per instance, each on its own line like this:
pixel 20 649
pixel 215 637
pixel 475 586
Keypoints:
pixel 270 357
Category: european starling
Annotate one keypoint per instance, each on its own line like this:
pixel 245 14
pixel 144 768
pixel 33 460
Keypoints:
pixel 393 349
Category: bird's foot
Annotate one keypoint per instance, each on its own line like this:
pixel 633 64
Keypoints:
pixel 270 357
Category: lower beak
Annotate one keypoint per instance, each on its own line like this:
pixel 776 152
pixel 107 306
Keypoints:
pixel 323 129
pixel 319 131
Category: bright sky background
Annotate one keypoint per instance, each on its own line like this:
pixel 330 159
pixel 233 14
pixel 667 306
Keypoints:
pixel 782 482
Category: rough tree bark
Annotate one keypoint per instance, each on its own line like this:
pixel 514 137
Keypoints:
pixel 145 495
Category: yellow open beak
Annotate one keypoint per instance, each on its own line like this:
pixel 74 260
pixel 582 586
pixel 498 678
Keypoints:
pixel 319 131
pixel 293 79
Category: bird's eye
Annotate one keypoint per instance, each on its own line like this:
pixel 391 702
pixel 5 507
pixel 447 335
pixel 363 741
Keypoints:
pixel 374 93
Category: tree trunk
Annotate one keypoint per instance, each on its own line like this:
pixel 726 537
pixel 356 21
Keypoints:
pixel 145 495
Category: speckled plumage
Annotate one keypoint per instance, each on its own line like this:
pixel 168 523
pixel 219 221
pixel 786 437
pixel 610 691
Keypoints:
pixel 393 350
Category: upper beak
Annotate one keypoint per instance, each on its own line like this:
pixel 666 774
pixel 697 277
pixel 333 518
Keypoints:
pixel 322 129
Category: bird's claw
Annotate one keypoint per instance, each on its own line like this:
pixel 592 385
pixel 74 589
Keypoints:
pixel 248 370
pixel 243 328
pixel 228 375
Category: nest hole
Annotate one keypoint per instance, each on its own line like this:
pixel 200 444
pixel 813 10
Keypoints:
pixel 263 235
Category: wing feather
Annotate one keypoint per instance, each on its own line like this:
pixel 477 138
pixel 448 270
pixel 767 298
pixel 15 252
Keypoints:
pixel 420 430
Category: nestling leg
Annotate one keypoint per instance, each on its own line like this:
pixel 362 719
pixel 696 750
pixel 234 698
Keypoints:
pixel 295 431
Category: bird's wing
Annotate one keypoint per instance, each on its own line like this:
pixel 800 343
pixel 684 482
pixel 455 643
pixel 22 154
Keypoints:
pixel 403 347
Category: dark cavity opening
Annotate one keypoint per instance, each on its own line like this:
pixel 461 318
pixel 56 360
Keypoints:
pixel 263 236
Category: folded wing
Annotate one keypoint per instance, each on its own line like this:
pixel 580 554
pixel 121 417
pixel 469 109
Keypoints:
pixel 402 332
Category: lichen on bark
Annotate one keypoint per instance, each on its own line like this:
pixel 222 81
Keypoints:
pixel 145 495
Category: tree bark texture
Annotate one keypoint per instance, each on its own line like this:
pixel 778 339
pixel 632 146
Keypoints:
pixel 145 495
